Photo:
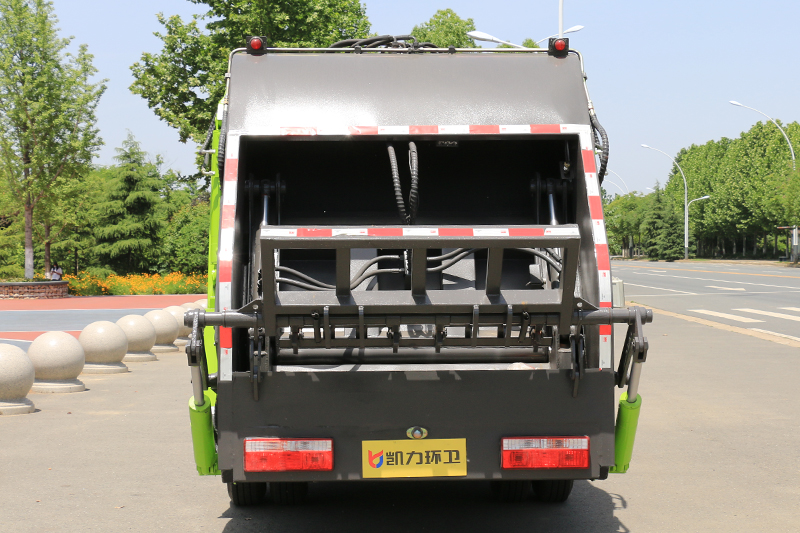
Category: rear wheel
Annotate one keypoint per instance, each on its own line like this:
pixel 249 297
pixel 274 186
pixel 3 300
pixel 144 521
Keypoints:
pixel 288 493
pixel 552 490
pixel 512 491
pixel 243 494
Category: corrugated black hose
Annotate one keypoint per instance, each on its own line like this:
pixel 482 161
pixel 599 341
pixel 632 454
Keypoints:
pixel 223 135
pixel 601 174
pixel 413 195
pixel 398 192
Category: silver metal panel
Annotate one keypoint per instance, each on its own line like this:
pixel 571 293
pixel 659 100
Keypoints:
pixel 347 89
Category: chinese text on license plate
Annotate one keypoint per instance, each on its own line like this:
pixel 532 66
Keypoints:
pixel 413 458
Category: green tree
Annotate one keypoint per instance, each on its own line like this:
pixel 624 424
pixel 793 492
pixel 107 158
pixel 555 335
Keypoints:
pixel 185 81
pixel 527 43
pixel 445 29
pixel 127 234
pixel 186 239
pixel 47 110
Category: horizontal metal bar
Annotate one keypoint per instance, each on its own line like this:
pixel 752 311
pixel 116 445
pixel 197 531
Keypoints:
pixel 322 357
pixel 406 342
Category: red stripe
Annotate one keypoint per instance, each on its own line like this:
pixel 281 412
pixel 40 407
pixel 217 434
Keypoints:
pixel 385 232
pixel 596 208
pixel 545 128
pixel 419 130
pixel 605 329
pixel 603 262
pixel 484 129
pixel 225 337
pixel 455 232
pixel 363 130
pixel 225 271
pixel 526 232
pixel 231 169
pixel 311 232
pixel 588 161
pixel 605 304
pixel 298 130
pixel 228 215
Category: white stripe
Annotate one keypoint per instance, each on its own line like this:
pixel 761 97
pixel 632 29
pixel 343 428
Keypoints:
pixel 229 193
pixel 454 129
pixel 393 130
pixel 224 302
pixel 226 236
pixel 490 232
pixel 724 315
pixel 278 232
pixel 770 313
pixel 232 146
pixel 715 287
pixel 225 364
pixel 785 336
pixel 349 231
pixel 604 284
pixel 333 130
pixel 660 289
pixel 592 187
pixel 584 132
pixel 520 128
pixel 420 232
pixel 605 351
pixel 791 309
pixel 599 231
pixel 562 231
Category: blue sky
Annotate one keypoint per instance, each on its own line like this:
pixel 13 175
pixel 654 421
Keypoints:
pixel 660 73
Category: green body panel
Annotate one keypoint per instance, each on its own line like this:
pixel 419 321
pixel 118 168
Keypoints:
pixel 213 246
pixel 625 432
pixel 205 449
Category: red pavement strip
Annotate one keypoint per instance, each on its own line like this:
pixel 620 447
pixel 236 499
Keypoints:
pixel 28 335
pixel 99 302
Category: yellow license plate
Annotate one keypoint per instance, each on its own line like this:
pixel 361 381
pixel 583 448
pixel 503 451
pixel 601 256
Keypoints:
pixel 413 458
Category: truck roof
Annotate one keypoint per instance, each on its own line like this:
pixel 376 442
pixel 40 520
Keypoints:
pixel 349 90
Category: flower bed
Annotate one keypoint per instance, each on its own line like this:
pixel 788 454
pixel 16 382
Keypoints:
pixel 85 284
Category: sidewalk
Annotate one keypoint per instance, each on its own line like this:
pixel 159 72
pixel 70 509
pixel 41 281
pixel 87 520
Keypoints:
pixel 148 301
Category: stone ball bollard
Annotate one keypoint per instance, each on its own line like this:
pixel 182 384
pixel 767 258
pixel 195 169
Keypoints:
pixel 58 359
pixel 183 331
pixel 166 331
pixel 104 344
pixel 192 305
pixel 202 303
pixel 16 379
pixel 141 338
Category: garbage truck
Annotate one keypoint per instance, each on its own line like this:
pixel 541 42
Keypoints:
pixel 409 276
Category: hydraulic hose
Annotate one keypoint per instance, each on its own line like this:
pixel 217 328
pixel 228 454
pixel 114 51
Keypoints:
pixel 413 195
pixel 304 277
pixel 601 174
pixel 398 192
pixel 223 135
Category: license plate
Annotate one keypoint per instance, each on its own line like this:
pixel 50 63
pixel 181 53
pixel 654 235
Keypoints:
pixel 414 458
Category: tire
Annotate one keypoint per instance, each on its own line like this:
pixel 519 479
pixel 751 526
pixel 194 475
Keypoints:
pixel 552 490
pixel 511 491
pixel 288 493
pixel 245 494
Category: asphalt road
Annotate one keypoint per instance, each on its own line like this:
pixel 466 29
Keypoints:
pixel 759 297
pixel 716 451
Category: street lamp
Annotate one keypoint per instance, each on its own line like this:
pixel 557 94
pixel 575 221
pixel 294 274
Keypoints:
pixel 614 184
pixel 620 178
pixel 791 149
pixel 483 36
pixel 568 30
pixel 706 197
pixel 685 203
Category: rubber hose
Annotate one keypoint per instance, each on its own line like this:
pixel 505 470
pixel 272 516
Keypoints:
pixel 601 174
pixel 398 192
pixel 222 138
pixel 413 195
pixel 209 133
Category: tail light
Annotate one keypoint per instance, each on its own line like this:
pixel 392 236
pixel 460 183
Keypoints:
pixel 287 455
pixel 558 47
pixel 256 44
pixel 545 452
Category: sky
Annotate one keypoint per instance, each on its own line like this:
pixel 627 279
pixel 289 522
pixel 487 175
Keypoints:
pixel 659 73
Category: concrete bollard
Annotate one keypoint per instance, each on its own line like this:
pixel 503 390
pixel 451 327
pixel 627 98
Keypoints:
pixel 192 305
pixel 58 359
pixel 183 331
pixel 104 344
pixel 16 379
pixel 166 331
pixel 141 338
pixel 202 303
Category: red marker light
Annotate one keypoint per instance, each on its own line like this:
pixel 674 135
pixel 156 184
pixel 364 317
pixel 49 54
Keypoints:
pixel 560 45
pixel 255 43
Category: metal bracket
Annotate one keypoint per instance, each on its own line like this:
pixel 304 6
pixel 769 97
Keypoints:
pixel 577 349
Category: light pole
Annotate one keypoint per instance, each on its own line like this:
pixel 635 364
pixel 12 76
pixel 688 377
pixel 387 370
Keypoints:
pixel 614 184
pixel 483 36
pixel 568 30
pixel 622 180
pixel 685 203
pixel 791 149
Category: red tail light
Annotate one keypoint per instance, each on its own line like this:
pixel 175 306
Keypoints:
pixel 545 452
pixel 287 455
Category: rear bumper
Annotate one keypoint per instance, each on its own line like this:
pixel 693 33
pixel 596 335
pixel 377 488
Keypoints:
pixel 479 406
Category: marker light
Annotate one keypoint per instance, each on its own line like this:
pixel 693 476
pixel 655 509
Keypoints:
pixel 287 455
pixel 545 452
pixel 255 44
pixel 558 47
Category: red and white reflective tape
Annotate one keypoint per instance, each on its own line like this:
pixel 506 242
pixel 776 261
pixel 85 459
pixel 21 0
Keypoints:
pixel 418 232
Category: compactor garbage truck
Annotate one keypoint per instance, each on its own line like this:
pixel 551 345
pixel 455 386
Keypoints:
pixel 409 274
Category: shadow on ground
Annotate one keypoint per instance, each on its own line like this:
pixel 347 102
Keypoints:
pixel 429 506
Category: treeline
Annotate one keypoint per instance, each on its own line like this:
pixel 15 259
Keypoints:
pixel 753 189
pixel 130 217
